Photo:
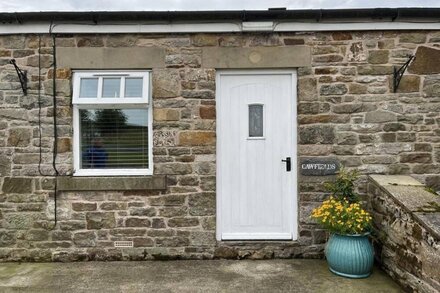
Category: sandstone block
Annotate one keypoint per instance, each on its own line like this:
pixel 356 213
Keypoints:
pixel 17 185
pixel 202 204
pixel 226 252
pixel 61 235
pixel 112 206
pixel 198 94
pixel 146 212
pixel 378 56
pixel 158 223
pixel 98 220
pixel 137 222
pixel 323 134
pixel 62 73
pixel 324 118
pixel 409 84
pixel 380 117
pixel 333 89
pixel 168 200
pixel 331 58
pixel 7 238
pixel 196 138
pixel 84 239
pixel 375 69
pixel 127 232
pixel 416 158
pixel 293 42
pixel 355 88
pixel 183 222
pixel 406 136
pixel 166 83
pixel 342 36
pixel 433 181
pixel 356 53
pixel 143 242
pixel 172 242
pixel 307 89
pixel 416 38
pixel 202 40
pixel 231 41
pixel 173 168
pixel 344 138
pixel 207 112
pixel 431 86
pixel 37 235
pixel 21 221
pixel 386 44
pixel 14 42
pixel 394 126
pixel 64 145
pixel 353 108
pixel 170 212
pixel 427 61
pixel 166 114
pixel 84 206
pixel 19 137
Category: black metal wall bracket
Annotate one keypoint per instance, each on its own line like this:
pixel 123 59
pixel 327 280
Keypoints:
pixel 22 76
pixel 398 73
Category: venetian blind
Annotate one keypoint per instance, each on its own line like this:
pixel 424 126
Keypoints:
pixel 114 138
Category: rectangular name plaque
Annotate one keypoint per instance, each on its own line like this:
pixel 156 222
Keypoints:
pixel 319 166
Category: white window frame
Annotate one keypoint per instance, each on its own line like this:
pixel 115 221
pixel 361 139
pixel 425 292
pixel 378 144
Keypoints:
pixel 111 103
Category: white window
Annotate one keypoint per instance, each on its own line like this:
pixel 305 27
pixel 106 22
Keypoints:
pixel 112 123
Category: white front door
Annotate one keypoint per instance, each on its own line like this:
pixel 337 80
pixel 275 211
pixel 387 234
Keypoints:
pixel 256 130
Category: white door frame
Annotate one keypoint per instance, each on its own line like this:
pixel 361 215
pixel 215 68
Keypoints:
pixel 294 171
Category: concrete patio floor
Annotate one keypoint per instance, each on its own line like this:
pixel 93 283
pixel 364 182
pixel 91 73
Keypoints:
pixel 293 275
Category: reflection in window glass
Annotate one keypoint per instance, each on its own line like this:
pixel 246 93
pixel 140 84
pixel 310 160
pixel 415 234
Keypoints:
pixel 133 87
pixel 256 120
pixel 111 87
pixel 88 88
pixel 114 138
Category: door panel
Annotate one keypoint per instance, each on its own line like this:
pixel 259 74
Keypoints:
pixel 256 130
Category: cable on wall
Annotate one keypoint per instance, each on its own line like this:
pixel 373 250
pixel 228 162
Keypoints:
pixel 39 112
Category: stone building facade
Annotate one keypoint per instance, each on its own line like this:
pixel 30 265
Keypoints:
pixel 347 110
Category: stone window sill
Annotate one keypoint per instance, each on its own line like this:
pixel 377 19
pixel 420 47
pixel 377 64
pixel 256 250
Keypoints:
pixel 69 183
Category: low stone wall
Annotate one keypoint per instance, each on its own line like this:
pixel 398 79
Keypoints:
pixel 407 222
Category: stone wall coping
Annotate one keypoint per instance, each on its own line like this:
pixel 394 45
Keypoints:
pixel 69 183
pixel 411 195
pixel 386 180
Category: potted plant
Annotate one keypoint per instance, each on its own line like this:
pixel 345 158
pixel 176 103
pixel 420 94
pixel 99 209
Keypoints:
pixel 349 252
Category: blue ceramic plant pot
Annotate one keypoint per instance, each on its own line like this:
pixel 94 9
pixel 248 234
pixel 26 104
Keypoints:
pixel 350 256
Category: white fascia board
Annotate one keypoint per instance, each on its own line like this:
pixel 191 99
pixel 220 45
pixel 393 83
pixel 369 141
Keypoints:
pixel 41 28
pixel 354 26
pixel 257 26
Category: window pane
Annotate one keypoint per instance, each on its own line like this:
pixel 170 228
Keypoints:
pixel 255 120
pixel 133 87
pixel 111 87
pixel 88 88
pixel 114 138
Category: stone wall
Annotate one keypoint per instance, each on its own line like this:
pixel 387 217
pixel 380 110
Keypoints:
pixel 407 222
pixel 346 110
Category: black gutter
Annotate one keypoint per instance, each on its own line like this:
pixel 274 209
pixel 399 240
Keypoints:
pixel 375 14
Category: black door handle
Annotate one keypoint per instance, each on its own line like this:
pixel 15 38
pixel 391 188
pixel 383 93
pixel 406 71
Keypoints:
pixel 288 164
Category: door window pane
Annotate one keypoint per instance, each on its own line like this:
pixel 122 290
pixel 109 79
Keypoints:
pixel 133 87
pixel 114 138
pixel 111 87
pixel 256 121
pixel 88 88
